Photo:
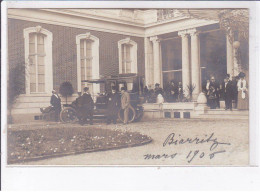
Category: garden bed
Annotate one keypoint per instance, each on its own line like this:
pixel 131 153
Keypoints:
pixel 55 141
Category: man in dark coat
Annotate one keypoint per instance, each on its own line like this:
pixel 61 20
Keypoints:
pixel 150 97
pixel 228 93
pixel 56 104
pixel 85 107
pixel 172 92
pixel 113 106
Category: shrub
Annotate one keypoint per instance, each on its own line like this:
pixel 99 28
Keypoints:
pixel 66 89
pixel 15 86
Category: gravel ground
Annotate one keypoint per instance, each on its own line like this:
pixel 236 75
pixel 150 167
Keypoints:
pixel 210 151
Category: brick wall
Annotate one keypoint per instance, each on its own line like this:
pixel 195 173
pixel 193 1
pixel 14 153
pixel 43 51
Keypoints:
pixel 65 53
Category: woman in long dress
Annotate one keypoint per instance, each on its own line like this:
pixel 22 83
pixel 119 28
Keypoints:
pixel 242 99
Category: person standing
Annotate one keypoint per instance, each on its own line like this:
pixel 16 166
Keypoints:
pixel 235 91
pixel 228 93
pixel 213 95
pixel 158 90
pixel 172 92
pixel 56 104
pixel 113 106
pixel 180 92
pixel 125 103
pixel 242 100
pixel 207 91
pixel 85 107
pixel 146 93
pixel 150 98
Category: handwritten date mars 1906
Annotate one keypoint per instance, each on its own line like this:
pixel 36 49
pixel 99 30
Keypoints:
pixel 174 140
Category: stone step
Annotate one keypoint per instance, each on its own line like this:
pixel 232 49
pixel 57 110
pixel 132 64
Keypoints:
pixel 207 116
pixel 227 112
pixel 26 111
pixel 42 98
pixel 28 105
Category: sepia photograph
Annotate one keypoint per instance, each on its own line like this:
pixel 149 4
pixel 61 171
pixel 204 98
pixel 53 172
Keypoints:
pixel 128 86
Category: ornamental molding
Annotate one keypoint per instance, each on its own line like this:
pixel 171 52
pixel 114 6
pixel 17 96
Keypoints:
pixel 127 41
pixel 38 30
pixel 87 36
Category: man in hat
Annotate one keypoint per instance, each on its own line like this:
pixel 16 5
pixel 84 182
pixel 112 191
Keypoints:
pixel 172 91
pixel 85 107
pixel 113 105
pixel 227 92
pixel 125 103
pixel 56 104
pixel 158 90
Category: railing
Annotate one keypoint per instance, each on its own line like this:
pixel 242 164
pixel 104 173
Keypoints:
pixel 166 14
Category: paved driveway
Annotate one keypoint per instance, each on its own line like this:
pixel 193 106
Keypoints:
pixel 212 142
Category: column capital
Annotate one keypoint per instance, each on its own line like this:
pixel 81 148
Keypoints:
pixel 155 39
pixel 182 33
pixel 193 32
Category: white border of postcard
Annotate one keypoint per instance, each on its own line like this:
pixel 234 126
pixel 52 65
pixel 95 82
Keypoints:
pixel 152 177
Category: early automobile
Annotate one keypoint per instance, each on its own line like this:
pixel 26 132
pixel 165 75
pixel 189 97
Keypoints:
pixel 132 82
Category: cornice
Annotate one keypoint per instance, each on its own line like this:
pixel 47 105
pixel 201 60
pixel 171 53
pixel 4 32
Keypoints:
pixel 96 17
pixel 70 19
pixel 139 32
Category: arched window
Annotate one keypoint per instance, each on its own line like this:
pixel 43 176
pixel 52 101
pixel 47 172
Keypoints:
pixel 38 58
pixel 87 61
pixel 127 50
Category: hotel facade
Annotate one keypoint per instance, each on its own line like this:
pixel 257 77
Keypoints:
pixel 58 45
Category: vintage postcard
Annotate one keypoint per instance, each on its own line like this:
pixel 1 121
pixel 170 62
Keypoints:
pixel 128 86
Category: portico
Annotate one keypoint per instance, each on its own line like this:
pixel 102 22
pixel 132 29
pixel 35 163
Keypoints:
pixel 182 61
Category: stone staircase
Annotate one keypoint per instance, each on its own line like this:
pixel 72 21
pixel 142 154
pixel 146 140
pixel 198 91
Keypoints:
pixel 191 110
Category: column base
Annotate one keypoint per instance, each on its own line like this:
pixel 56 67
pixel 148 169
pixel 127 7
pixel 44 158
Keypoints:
pixel 195 97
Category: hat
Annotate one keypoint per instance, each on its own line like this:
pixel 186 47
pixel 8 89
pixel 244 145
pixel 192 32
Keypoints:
pixel 157 84
pixel 241 74
pixel 85 89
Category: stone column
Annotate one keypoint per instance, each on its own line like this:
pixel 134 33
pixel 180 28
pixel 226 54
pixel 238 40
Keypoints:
pixel 235 62
pixel 149 73
pixel 195 64
pixel 230 57
pixel 157 60
pixel 185 62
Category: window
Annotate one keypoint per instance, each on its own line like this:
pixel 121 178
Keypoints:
pixel 36 62
pixel 87 62
pixel 127 56
pixel 38 58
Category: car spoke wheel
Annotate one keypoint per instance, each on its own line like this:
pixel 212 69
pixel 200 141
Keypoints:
pixel 131 114
pixel 68 115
